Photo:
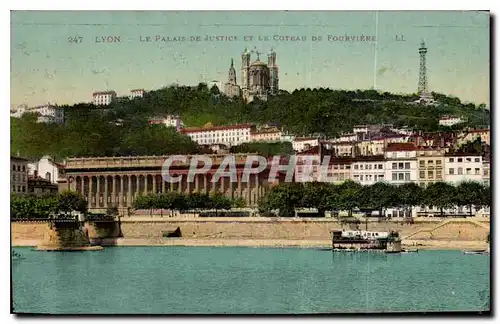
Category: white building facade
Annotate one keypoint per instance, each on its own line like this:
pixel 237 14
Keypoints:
pixel 401 163
pixel 300 144
pixel 459 168
pixel 136 93
pixel 228 135
pixel 168 121
pixel 368 171
pixel 103 98
pixel 450 120
pixel 45 168
pixel 46 113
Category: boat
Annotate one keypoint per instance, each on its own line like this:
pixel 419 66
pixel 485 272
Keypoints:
pixel 409 251
pixel 16 256
pixel 484 252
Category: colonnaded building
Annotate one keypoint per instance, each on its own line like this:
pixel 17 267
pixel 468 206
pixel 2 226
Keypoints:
pixel 117 181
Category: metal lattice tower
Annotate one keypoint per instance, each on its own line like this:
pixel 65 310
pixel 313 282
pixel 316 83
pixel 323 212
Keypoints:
pixel 422 80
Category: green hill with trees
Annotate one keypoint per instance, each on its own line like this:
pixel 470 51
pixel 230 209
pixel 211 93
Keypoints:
pixel 122 127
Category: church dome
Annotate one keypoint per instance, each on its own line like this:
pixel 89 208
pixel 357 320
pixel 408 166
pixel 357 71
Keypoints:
pixel 258 63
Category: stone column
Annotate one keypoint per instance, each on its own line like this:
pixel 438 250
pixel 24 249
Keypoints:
pixel 239 190
pixel 129 191
pixel 171 186
pixel 231 187
pixel 257 188
pixel 120 200
pixel 91 195
pixel 138 186
pixel 197 183
pixel 145 177
pixel 154 184
pixel 105 191
pixel 222 185
pixel 163 185
pixel 249 190
pixel 188 186
pixel 98 192
pixel 205 183
pixel 82 186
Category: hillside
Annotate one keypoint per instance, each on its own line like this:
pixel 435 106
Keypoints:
pixel 91 131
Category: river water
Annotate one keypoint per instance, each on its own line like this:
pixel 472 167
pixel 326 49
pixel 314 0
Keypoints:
pixel 239 280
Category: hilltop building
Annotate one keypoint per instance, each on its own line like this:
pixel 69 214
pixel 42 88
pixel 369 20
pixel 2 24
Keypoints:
pixel 46 113
pixel 103 98
pixel 258 79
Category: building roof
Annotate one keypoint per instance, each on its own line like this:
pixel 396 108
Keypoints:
pixel 395 147
pixel 104 93
pixel 18 158
pixel 303 139
pixel 258 63
pixel 135 90
pixel 215 128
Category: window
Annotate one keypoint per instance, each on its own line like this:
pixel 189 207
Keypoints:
pixel 401 165
pixel 430 162
pixel 19 168
pixel 380 167
pixel 430 174
pixel 468 171
pixel 18 188
pixel 407 177
pixel 407 154
pixel 24 168
pixel 485 172
pixel 401 176
pixel 439 174
pixel 476 159
pixel 422 163
pixel 407 165
pixel 459 160
pixel 361 167
pixel 476 170
pixel 394 176
pixel 13 167
pixel 394 154
pixel 422 174
pixel 348 167
pixel 438 162
pixel 394 165
pixel 468 159
pixel 24 189
pixel 452 160
pixel 380 176
pixel 361 177
pixel 13 188
pixel 460 171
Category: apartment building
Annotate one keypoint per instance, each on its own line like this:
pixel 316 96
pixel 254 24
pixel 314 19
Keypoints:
pixel 168 121
pixel 46 113
pixel 401 163
pixel 228 135
pixel 368 170
pixel 103 98
pixel 431 165
pixel 19 175
pixel 463 167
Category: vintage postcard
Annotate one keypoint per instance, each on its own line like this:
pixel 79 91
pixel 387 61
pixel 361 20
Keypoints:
pixel 250 162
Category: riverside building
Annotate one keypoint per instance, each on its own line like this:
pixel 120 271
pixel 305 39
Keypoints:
pixel 228 135
pixel 19 175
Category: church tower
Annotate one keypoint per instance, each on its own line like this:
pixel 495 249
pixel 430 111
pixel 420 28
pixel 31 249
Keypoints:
pixel 273 71
pixel 231 88
pixel 245 65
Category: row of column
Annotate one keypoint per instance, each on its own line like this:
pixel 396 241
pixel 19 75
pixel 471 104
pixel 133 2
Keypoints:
pixel 121 189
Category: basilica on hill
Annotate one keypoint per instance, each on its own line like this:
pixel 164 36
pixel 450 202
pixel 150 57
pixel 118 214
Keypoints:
pixel 258 79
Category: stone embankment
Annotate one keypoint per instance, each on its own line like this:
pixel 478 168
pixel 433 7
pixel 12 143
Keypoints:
pixel 468 233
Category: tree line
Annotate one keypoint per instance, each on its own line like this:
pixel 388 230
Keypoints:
pixel 39 207
pixel 122 127
pixel 351 195
pixel 182 202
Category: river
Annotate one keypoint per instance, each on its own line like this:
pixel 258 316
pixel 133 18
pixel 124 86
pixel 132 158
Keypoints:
pixel 241 280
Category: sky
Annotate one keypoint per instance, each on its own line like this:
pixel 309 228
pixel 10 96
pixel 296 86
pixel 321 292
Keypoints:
pixel 47 65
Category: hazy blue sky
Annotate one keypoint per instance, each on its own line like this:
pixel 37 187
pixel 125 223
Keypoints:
pixel 46 67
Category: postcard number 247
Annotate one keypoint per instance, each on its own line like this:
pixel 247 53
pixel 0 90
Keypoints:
pixel 75 39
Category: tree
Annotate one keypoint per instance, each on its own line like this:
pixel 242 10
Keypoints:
pixel 379 196
pixel 486 199
pixel 239 202
pixel 70 201
pixel 470 193
pixel 218 201
pixel 349 196
pixel 441 195
pixel 285 197
pixel 408 195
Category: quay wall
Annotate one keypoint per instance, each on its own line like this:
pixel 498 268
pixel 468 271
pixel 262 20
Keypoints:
pixel 25 233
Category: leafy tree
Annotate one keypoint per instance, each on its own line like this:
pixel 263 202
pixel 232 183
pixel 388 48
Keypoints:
pixel 470 193
pixel 285 198
pixel 70 201
pixel 239 202
pixel 408 195
pixel 218 201
pixel 349 196
pixel 441 195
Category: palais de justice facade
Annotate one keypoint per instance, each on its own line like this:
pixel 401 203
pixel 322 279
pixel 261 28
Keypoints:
pixel 117 181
